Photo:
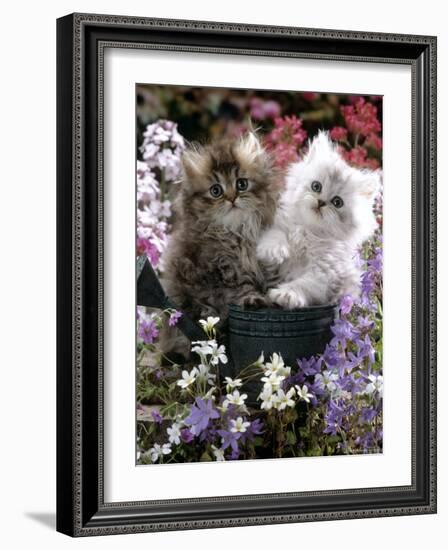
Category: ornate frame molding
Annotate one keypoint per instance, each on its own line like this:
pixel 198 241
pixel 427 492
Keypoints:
pixel 82 39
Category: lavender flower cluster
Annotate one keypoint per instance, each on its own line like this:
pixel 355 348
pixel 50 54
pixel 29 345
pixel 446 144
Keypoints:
pixel 325 405
pixel 161 152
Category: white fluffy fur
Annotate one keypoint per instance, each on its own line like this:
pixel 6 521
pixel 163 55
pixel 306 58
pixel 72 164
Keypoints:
pixel 315 249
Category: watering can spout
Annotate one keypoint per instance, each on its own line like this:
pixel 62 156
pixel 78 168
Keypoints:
pixel 151 294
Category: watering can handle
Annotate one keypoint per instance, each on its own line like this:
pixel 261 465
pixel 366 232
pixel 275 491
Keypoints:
pixel 151 294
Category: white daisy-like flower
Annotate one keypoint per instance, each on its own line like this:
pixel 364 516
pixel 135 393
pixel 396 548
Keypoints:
pixel 187 378
pixel 302 393
pixel 209 394
pixel 327 380
pixel 260 361
pixel 203 347
pixel 204 374
pixel 174 433
pixel 267 398
pixel 274 380
pixel 275 364
pixel 375 384
pixel 234 399
pixel 232 384
pixel 284 400
pixel 158 451
pixel 218 454
pixel 218 354
pixel 239 425
pixel 209 324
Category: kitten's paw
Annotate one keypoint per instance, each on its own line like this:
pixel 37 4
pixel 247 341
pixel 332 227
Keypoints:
pixel 273 253
pixel 287 297
pixel 255 300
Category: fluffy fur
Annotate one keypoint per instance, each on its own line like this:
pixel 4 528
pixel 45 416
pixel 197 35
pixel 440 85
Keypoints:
pixel 211 258
pixel 325 213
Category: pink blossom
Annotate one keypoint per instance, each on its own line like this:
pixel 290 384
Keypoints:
pixel 174 318
pixel 145 246
pixel 260 109
pixel 310 96
pixel 148 331
pixel 358 157
pixel 374 141
pixel 285 139
pixel 361 118
pixel 256 108
pixel 338 133
pixel 271 109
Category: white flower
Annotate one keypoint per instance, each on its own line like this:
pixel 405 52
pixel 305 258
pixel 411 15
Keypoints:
pixel 218 454
pixel 209 323
pixel 234 399
pixel 326 380
pixel 375 384
pixel 210 348
pixel 275 364
pixel 232 384
pixel 273 381
pixel 218 353
pixel 260 361
pixel 187 378
pixel 209 394
pixel 267 398
pixel 284 371
pixel 174 433
pixel 205 375
pixel 239 425
pixel 302 393
pixel 203 347
pixel 284 400
pixel 158 451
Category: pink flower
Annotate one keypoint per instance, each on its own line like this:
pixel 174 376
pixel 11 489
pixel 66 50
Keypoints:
pixel 374 141
pixel 144 246
pixel 148 331
pixel 361 118
pixel 271 109
pixel 174 318
pixel 338 133
pixel 256 108
pixel 358 157
pixel 285 139
pixel 260 110
pixel 310 96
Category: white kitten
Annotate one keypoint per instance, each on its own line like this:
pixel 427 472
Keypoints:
pixel 325 214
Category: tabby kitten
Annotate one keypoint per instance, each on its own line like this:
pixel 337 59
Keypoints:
pixel 227 196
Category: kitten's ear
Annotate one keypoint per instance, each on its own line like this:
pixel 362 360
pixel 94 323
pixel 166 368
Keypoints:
pixel 196 162
pixel 320 146
pixel 248 149
pixel 369 183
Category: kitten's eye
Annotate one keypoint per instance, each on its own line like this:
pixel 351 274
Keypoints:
pixel 242 184
pixel 216 191
pixel 337 202
pixel 316 186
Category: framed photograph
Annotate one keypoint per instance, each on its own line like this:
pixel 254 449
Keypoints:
pixel 246 274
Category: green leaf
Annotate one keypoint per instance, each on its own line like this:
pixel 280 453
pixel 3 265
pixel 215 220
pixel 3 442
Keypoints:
pixel 205 457
pixel 291 438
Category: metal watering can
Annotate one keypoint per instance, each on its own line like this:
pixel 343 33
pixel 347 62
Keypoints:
pixel 294 334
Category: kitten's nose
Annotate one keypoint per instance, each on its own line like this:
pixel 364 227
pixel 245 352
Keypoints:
pixel 320 203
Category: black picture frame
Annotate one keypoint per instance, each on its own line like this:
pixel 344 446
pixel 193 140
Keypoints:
pixel 81 39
